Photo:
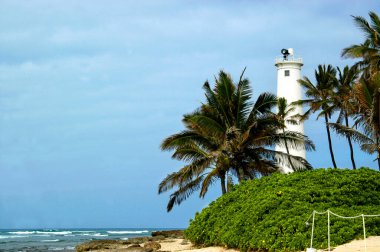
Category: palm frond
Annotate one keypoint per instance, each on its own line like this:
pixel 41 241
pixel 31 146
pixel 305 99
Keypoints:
pixel 213 101
pixel 264 103
pixel 208 181
pixel 184 192
pixel 208 125
pixel 183 138
pixel 243 95
pixel 350 132
pixel 369 148
pixel 293 139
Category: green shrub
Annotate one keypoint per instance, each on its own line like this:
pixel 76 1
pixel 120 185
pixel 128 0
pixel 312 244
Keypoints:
pixel 269 214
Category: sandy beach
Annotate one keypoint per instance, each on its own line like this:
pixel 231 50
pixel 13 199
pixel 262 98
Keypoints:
pixel 181 245
pixel 373 245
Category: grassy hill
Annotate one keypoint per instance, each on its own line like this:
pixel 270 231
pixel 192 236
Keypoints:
pixel 269 214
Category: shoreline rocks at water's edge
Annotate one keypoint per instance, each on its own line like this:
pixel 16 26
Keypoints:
pixel 137 244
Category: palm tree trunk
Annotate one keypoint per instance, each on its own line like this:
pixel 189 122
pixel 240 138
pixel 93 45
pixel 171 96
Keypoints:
pixel 329 139
pixel 223 182
pixel 350 144
pixel 287 151
pixel 240 174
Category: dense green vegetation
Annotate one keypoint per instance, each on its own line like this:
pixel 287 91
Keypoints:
pixel 269 214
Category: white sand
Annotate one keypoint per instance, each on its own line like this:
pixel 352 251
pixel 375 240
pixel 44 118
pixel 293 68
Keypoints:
pixel 177 245
pixel 373 245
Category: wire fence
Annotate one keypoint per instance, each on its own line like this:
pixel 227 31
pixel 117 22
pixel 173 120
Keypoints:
pixel 329 213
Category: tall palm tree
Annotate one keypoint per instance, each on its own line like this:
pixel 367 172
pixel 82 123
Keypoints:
pixel 285 117
pixel 366 92
pixel 343 99
pixel 367 102
pixel 320 98
pixel 229 134
pixel 369 50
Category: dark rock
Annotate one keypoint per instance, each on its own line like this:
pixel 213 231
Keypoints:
pixel 169 233
pixel 137 249
pixel 113 244
pixel 158 238
pixel 152 245
pixel 100 244
pixel 138 240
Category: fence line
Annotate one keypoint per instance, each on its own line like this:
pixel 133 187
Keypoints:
pixel 328 212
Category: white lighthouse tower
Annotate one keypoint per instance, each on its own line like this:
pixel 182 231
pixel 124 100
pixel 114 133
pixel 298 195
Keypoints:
pixel 288 74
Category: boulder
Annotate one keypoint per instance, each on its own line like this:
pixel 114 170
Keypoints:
pixel 152 245
pixel 169 233
pixel 100 244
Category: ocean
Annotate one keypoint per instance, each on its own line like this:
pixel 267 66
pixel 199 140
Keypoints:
pixel 27 240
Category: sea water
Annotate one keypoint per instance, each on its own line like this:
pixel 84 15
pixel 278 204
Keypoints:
pixel 61 239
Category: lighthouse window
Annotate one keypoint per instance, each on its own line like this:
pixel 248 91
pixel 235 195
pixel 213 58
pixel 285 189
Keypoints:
pixel 287 72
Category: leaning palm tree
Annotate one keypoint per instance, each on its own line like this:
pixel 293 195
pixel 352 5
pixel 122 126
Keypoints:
pixel 343 100
pixel 320 98
pixel 229 135
pixel 369 50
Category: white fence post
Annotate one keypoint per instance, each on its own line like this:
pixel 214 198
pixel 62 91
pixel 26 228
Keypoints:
pixel 328 228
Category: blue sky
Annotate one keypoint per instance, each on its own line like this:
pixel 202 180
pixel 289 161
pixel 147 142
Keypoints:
pixel 89 89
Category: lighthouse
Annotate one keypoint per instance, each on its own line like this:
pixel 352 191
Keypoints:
pixel 288 74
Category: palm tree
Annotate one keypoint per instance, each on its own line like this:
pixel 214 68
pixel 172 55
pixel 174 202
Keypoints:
pixel 343 99
pixel 367 92
pixel 284 115
pixel 369 51
pixel 251 130
pixel 320 98
pixel 229 135
pixel 367 102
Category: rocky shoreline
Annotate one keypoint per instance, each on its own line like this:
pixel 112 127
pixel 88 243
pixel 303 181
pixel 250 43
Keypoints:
pixel 138 244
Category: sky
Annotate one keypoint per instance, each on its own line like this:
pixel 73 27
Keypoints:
pixel 90 88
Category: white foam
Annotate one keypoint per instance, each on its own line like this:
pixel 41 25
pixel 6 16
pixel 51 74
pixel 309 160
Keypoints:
pixel 128 232
pixel 56 240
pixel 54 232
pixel 12 236
pixel 56 249
pixel 125 239
pixel 22 232
pixel 98 235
